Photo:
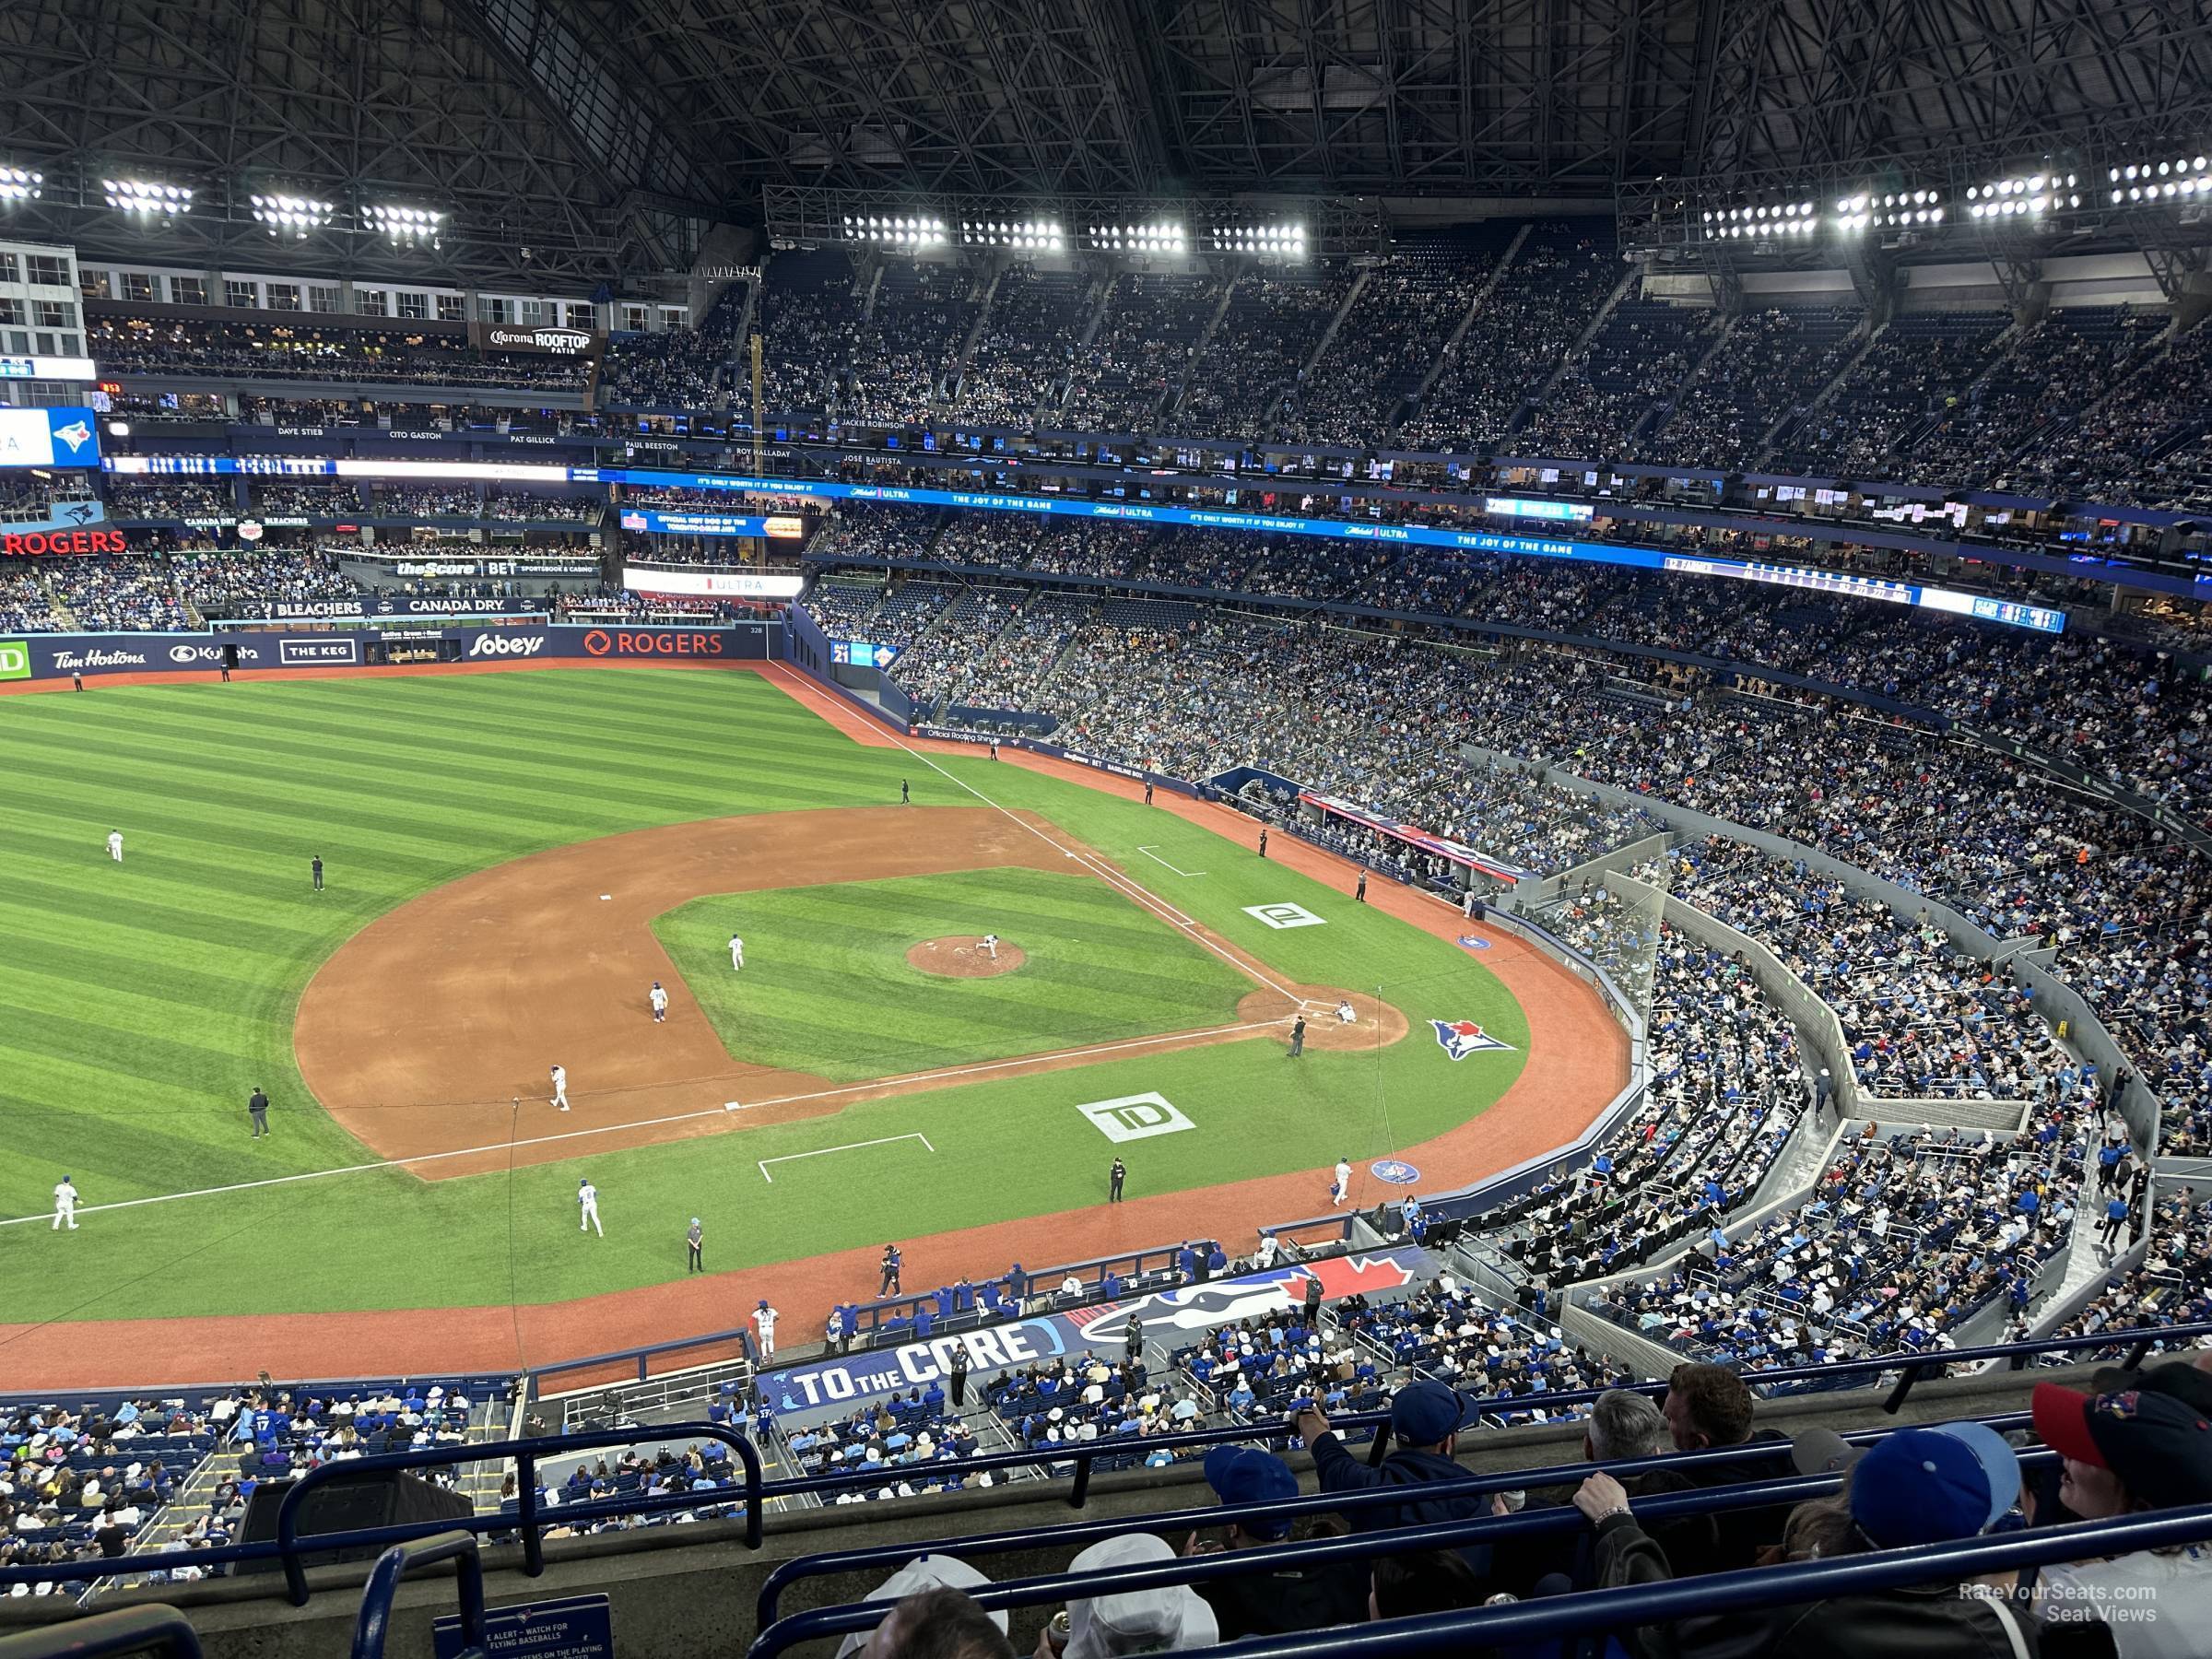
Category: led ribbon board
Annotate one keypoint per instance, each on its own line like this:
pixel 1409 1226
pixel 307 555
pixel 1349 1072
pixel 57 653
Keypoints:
pixel 2040 618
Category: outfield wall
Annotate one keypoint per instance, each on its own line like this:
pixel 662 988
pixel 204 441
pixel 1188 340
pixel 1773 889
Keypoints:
pixel 60 656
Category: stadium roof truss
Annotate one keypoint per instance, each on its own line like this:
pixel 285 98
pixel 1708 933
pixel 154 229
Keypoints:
pixel 605 136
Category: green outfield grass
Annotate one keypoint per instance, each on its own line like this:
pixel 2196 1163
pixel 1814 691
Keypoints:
pixel 828 989
pixel 140 1003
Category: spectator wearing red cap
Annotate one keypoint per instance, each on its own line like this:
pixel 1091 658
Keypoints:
pixel 1918 1486
pixel 2146 1445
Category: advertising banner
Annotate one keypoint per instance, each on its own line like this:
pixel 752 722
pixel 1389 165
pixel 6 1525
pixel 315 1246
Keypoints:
pixel 1175 1317
pixel 368 607
pixel 724 584
pixel 48 437
pixel 50 657
pixel 1412 835
pixel 652 523
pixel 538 341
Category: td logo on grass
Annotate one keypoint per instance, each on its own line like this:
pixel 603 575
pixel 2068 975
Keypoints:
pixel 14 659
pixel 1134 1117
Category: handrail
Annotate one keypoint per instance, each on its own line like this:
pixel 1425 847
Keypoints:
pixel 529 1519
pixel 1743 1589
pixel 126 1631
pixel 2138 1342
pixel 1082 1453
pixel 825 1562
pixel 375 1621
pixel 847 1617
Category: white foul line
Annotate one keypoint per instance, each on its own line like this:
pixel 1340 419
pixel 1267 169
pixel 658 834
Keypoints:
pixel 680 1117
pixel 1151 901
pixel 1157 859
pixel 849 1146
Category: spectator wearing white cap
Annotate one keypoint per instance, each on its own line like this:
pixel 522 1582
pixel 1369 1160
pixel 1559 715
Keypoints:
pixel 1164 1620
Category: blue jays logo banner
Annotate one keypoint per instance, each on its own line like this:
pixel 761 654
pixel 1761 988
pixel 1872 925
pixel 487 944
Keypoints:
pixel 1460 1038
pixel 1000 1347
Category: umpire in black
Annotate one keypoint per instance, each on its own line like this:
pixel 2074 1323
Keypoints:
pixel 257 1108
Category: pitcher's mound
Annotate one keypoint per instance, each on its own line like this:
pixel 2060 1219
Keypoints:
pixel 961 956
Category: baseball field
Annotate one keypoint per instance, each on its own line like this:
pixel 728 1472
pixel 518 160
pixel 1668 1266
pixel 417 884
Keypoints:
pixel 513 858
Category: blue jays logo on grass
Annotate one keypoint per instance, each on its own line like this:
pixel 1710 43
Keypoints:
pixel 1460 1038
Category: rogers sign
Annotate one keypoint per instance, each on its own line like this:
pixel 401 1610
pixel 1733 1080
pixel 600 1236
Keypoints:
pixel 65 541
pixel 652 641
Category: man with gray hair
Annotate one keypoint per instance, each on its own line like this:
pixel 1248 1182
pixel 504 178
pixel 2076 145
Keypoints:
pixel 1624 1424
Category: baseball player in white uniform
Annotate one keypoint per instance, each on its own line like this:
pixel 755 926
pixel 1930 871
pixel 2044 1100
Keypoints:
pixel 990 943
pixel 587 1201
pixel 64 1204
pixel 560 1086
pixel 1346 1013
pixel 115 845
pixel 660 1004
pixel 764 1321
pixel 1343 1189
pixel 736 952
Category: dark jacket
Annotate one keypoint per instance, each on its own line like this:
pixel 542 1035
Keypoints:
pixel 1339 1471
pixel 1739 1534
pixel 1288 1600
pixel 1928 1621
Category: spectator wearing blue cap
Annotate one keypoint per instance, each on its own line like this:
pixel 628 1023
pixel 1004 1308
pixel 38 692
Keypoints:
pixel 1283 1601
pixel 1917 1487
pixel 1425 1416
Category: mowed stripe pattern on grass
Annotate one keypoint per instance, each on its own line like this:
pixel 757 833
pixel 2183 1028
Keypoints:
pixel 140 1003
pixel 827 988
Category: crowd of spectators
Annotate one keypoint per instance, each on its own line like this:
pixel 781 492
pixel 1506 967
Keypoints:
pixel 1923 1019
pixel 809 322
pixel 910 343
pixel 1239 386
pixel 315 352
pixel 677 368
pixel 1026 345
pixel 1631 370
pixel 1774 362
pixel 1906 1238
pixel 1917 374
pixel 1537 308
pixel 1140 352
pixel 26 606
pixel 1393 334
pixel 170 499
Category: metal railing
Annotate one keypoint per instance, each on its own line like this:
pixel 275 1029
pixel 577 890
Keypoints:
pixel 374 1622
pixel 1471 1531
pixel 155 1628
pixel 1077 1533
pixel 529 1517
pixel 1746 1590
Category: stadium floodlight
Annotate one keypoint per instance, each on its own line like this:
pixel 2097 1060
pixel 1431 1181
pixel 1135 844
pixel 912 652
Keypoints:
pixel 403 224
pixel 21 184
pixel 1274 242
pixel 144 195
pixel 297 214
pixel 2028 195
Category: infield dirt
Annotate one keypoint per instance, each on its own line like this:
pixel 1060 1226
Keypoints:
pixel 435 1029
